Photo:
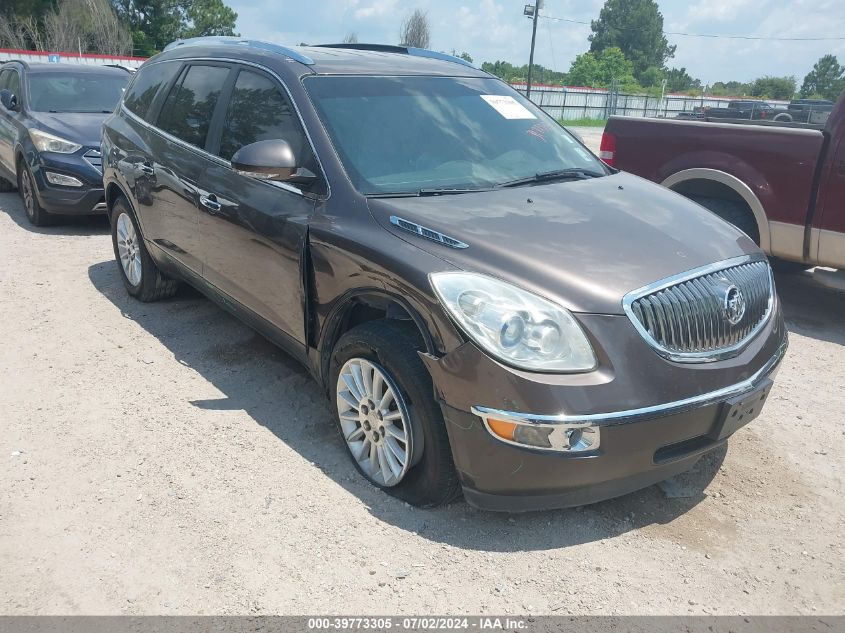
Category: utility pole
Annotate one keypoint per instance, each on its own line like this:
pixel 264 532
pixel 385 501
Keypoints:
pixel 532 11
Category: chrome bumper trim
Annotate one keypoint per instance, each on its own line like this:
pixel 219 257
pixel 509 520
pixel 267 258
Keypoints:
pixel 631 415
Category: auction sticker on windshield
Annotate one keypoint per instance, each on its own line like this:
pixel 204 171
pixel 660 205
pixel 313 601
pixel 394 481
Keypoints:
pixel 508 107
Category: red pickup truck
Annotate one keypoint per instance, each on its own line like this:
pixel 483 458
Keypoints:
pixel 783 186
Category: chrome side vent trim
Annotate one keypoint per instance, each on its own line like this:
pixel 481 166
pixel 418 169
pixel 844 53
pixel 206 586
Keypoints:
pixel 706 314
pixel 94 158
pixel 429 234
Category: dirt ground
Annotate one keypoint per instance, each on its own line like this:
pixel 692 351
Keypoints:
pixel 163 458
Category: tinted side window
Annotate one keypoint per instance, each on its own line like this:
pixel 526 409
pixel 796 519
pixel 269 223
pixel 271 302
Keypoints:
pixel 143 90
pixel 258 111
pixel 187 111
pixel 4 77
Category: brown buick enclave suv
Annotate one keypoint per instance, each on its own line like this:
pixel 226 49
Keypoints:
pixel 490 308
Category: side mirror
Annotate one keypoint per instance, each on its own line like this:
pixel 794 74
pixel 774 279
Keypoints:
pixel 270 160
pixel 8 99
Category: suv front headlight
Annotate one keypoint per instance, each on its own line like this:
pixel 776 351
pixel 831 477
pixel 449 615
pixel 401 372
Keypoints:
pixel 515 326
pixel 48 143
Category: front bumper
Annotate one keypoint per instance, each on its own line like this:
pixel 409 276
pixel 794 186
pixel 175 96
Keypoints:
pixel 87 199
pixel 639 446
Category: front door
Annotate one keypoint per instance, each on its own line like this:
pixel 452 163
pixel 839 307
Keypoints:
pixel 254 231
pixel 10 80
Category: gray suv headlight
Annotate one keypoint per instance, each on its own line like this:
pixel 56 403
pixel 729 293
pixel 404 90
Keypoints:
pixel 513 325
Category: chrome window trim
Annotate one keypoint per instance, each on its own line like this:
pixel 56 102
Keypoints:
pixel 225 163
pixel 632 415
pixel 700 357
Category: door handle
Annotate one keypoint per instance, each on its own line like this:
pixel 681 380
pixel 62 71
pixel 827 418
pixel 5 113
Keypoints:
pixel 147 169
pixel 210 202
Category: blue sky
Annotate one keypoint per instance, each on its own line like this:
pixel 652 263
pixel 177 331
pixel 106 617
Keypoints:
pixel 496 29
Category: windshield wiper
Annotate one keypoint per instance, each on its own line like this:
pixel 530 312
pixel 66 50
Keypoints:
pixel 447 191
pixel 421 193
pixel 573 173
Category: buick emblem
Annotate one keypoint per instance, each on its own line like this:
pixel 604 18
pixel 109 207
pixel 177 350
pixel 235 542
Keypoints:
pixel 734 305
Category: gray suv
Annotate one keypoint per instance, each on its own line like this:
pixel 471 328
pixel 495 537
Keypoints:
pixel 491 309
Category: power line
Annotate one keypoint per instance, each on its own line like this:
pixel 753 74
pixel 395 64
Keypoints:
pixel 713 36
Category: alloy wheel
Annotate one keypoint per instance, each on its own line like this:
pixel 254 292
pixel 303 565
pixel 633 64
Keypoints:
pixel 28 193
pixel 375 422
pixel 128 249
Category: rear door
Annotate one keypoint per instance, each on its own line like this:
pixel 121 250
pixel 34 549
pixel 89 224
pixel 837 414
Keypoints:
pixel 254 231
pixel 177 160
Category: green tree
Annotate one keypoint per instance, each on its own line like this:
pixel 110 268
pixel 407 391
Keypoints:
pixel 827 79
pixel 584 71
pixel 613 65
pixel 156 23
pixel 635 27
pixel 730 89
pixel 514 74
pixel 208 17
pixel 652 77
pixel 466 57
pixel 782 88
pixel 679 80
pixel 22 9
pixel 600 70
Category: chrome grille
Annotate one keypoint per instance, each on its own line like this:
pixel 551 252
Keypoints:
pixel 94 158
pixel 695 317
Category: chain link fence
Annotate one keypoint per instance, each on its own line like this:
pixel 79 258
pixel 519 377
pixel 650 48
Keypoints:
pixel 567 104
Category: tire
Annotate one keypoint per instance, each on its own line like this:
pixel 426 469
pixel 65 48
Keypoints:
pixel 391 346
pixel 140 275
pixel 35 213
pixel 734 212
pixel 786 118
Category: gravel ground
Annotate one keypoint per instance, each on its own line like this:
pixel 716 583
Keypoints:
pixel 590 136
pixel 163 458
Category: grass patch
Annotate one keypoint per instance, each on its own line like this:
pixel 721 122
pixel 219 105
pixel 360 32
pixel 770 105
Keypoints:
pixel 583 122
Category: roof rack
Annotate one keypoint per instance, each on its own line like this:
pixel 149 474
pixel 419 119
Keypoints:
pixel 239 41
pixel 402 50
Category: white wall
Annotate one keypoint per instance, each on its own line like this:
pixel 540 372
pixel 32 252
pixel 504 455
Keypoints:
pixel 38 57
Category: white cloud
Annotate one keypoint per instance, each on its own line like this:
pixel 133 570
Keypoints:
pixel 376 9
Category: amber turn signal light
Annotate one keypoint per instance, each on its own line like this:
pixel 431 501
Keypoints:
pixel 505 430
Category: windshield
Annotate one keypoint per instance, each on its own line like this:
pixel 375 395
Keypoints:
pixel 406 134
pixel 66 92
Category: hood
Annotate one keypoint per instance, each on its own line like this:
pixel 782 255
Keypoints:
pixel 78 127
pixel 583 243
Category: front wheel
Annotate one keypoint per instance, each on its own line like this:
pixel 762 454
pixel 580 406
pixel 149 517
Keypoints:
pixel 140 275
pixel 387 415
pixel 35 213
